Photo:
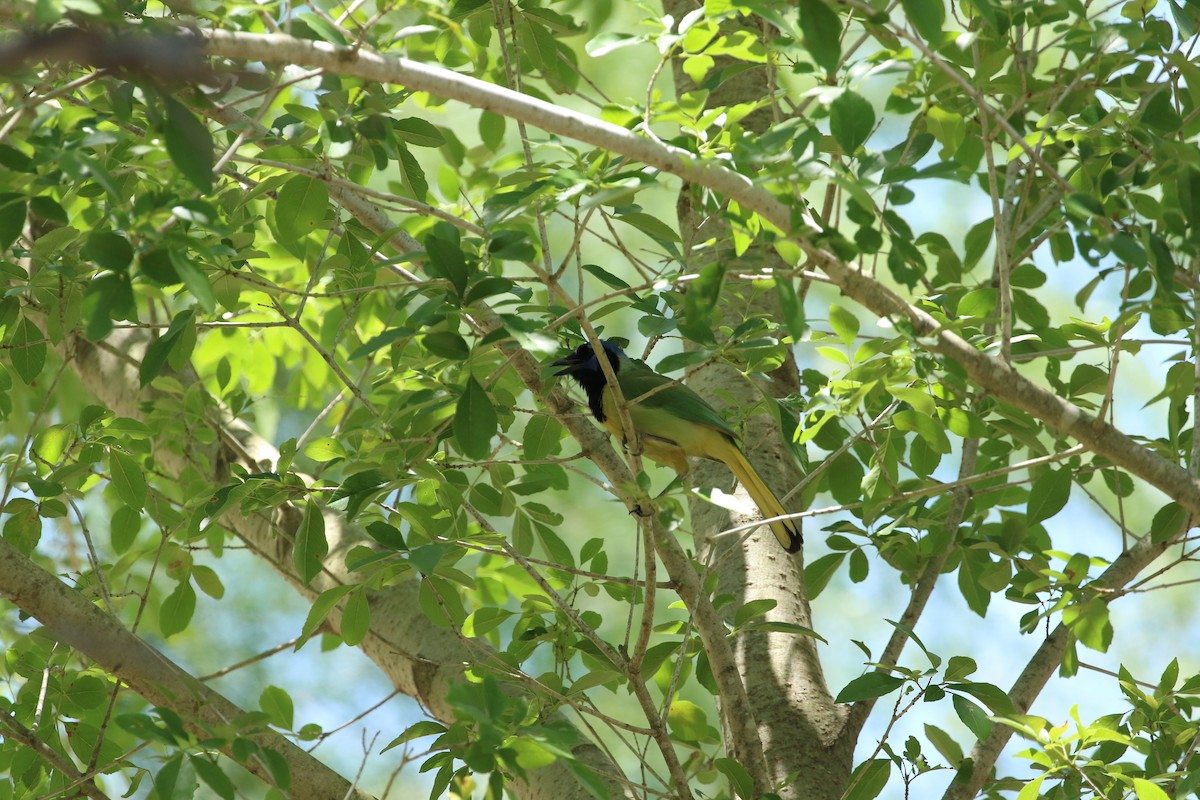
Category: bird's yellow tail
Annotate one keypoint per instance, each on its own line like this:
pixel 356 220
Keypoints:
pixel 787 531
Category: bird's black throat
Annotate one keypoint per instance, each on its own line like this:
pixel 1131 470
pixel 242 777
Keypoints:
pixel 584 367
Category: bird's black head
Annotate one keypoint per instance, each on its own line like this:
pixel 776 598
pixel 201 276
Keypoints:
pixel 584 367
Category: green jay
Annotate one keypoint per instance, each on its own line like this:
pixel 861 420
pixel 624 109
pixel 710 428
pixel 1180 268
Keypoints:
pixel 673 423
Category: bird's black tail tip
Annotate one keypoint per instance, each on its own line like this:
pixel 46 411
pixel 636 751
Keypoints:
pixel 795 539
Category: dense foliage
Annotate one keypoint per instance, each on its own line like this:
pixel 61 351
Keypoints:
pixel 285 278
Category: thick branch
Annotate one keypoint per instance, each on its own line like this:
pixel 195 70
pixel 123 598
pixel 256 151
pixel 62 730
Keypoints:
pixel 77 622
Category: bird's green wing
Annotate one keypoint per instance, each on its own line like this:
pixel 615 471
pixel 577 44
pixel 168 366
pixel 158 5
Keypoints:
pixel 636 379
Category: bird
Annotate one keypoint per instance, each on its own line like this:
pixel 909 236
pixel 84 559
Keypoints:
pixel 672 423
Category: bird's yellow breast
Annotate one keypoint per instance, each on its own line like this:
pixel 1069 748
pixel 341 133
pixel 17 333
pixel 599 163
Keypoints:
pixel 665 438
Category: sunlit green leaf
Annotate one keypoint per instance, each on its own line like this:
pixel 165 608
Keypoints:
pixel 190 144
pixel 300 207
pixel 869 686
pixel 177 609
pixel 356 618
pixel 277 703
pixel 851 120
pixel 1048 495
pixel 128 479
pixel 475 421
pixel 822 33
pixel 927 16
pixel 311 547
pixel 27 349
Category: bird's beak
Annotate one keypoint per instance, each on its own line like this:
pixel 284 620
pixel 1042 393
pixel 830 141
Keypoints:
pixel 569 364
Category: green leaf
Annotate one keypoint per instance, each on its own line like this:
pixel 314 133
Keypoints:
pixel 822 34
pixel 851 120
pixel 475 421
pixel 311 547
pixel 700 302
pixel 1146 790
pixel 23 528
pixel 387 535
pixel 606 277
pixel 689 723
pixel 108 297
pixel 739 777
pixel 507 245
pixel 124 528
pixel 843 323
pixel 447 344
pixel 604 43
pixel 12 218
pixel 543 437
pixel 447 260
pixel 128 479
pixel 1090 623
pixel 172 781
pixel 972 716
pixel 960 667
pixel 440 603
pixel 356 618
pixel 320 610
pixel 1031 790
pixel 991 695
pixel 979 303
pixel 190 145
pixel 869 779
pixel 869 686
pixel 1161 114
pixel 86 691
pixel 945 744
pixel 277 705
pixel 782 627
pixel 211 773
pixel 194 279
pixel 1187 19
pixel 919 399
pixel 177 609
pixel 817 573
pixel 281 773
pixel 418 132
pixel 300 206
pixel 948 127
pixel 652 226
pixel 411 175
pixel 927 16
pixel 324 449
pixel 1169 521
pixel 790 308
pixel 27 350
pixel 107 249
pixel 1048 494
pixel 158 351
pixel 752 609
pixel 48 209
pixel 491 129
pixel 416 731
pixel 208 581
pixel 484 619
